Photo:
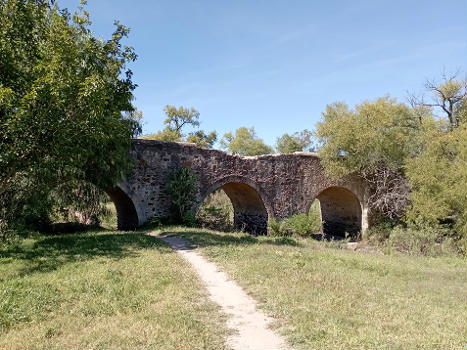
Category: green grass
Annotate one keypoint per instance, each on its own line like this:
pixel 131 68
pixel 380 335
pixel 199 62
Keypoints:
pixel 330 298
pixel 109 221
pixel 103 290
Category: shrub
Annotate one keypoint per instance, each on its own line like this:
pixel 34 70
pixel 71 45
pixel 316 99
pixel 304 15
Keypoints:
pixel 379 233
pixel 275 228
pixel 181 188
pixel 300 224
pixel 411 241
pixel 189 218
pixel 427 241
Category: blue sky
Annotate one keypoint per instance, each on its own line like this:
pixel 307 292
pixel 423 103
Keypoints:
pixel 275 65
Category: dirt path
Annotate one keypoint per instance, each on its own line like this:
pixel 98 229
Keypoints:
pixel 250 324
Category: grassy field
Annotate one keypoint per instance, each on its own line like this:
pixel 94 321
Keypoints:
pixel 106 289
pixel 103 290
pixel 325 297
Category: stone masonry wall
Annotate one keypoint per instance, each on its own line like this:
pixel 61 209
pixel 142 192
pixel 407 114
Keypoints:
pixel 259 187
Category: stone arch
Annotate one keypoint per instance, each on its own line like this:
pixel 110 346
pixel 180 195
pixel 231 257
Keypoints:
pixel 127 216
pixel 341 211
pixel 250 210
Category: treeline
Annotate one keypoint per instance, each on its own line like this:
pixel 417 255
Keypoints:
pixel 243 141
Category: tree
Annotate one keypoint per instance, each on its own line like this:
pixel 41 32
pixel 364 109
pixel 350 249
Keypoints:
pixel 165 135
pixel 297 142
pixel 202 139
pixel 438 178
pixel 371 141
pixel 245 143
pixel 436 172
pixel 177 118
pixel 65 101
pixel 447 96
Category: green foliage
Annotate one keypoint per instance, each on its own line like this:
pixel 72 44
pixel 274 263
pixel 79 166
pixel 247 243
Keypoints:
pixel 436 174
pixel 274 228
pixel 378 234
pixel 431 241
pixel 358 141
pixel 79 201
pixel 177 118
pixel 414 159
pixel 165 135
pixel 189 218
pixel 202 139
pixel 438 180
pixel 411 241
pixel 245 142
pixel 182 187
pixel 450 97
pixel 65 102
pixel 299 224
pixel 302 225
pixel 297 142
pixel 371 141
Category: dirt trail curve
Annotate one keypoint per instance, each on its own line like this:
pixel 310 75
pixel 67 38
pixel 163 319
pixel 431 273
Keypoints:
pixel 249 323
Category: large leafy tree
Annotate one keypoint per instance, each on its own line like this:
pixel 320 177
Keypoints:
pixel 371 141
pixel 177 119
pixel 245 142
pixel 65 100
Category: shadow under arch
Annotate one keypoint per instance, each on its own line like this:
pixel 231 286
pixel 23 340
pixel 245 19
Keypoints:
pixel 127 216
pixel 341 211
pixel 250 211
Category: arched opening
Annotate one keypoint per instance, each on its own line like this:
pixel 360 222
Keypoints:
pixel 216 212
pixel 84 204
pixel 341 212
pixel 249 212
pixel 127 217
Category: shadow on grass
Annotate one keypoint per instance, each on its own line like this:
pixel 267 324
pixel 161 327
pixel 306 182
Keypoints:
pixel 206 238
pixel 49 253
pixel 63 228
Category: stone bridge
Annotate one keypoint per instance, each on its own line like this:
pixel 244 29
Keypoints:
pixel 260 187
